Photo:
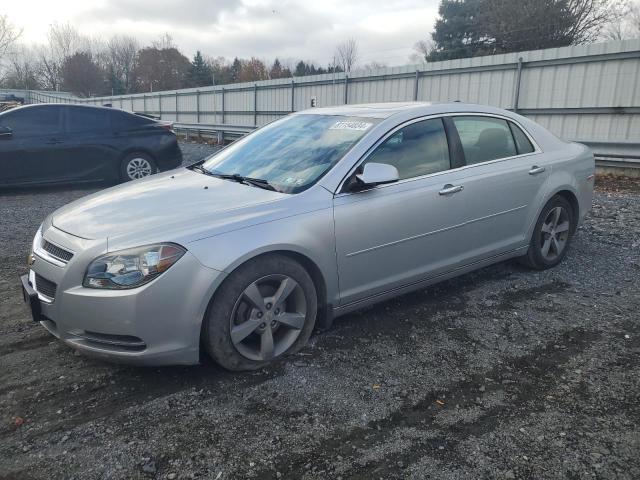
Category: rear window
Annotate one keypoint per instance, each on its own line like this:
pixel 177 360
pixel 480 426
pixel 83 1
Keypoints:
pixel 484 138
pixel 523 144
pixel 124 120
pixel 81 119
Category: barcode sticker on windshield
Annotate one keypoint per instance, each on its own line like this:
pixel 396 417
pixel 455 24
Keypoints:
pixel 350 125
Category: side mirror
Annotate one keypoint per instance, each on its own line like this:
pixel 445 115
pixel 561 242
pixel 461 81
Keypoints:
pixel 377 174
pixel 5 133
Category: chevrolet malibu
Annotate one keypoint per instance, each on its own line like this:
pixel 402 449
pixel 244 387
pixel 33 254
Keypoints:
pixel 310 217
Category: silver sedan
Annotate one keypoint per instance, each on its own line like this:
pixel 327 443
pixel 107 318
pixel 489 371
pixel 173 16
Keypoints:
pixel 310 217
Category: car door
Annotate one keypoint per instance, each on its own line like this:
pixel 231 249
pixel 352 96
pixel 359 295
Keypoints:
pixel 396 234
pixel 33 151
pixel 91 153
pixel 505 173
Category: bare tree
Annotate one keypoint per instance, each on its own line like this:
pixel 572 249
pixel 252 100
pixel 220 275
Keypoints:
pixel 9 34
pixel 626 27
pixel 22 69
pixel 63 41
pixel 119 61
pixel 165 42
pixel 422 49
pixel 347 54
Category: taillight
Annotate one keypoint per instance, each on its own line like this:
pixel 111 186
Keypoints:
pixel 167 126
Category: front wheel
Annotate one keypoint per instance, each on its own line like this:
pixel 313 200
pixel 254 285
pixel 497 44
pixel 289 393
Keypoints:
pixel 264 310
pixel 551 235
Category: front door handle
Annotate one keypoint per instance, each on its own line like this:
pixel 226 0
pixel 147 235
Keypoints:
pixel 536 170
pixel 449 189
pixel 53 141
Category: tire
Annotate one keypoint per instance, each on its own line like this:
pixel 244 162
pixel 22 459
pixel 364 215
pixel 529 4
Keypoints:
pixel 287 323
pixel 137 165
pixel 547 236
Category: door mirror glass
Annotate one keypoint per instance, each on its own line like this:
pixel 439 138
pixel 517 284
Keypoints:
pixel 377 174
pixel 5 132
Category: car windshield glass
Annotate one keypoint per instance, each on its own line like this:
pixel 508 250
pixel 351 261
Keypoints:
pixel 292 153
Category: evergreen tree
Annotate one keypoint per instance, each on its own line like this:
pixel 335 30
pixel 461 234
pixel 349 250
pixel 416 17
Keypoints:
pixel 236 70
pixel 200 73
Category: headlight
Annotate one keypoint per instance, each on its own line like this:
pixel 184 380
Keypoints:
pixel 131 268
pixel 37 240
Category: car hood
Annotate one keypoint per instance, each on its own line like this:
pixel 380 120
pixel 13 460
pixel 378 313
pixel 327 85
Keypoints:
pixel 178 205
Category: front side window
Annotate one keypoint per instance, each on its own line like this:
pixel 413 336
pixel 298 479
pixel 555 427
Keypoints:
pixel 291 153
pixel 484 138
pixel 417 149
pixel 33 121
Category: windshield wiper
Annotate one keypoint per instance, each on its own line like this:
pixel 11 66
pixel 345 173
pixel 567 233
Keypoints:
pixel 256 182
pixel 201 169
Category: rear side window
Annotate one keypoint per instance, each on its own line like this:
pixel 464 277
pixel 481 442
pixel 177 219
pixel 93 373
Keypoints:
pixel 81 119
pixel 125 121
pixel 523 144
pixel 417 149
pixel 484 138
pixel 33 121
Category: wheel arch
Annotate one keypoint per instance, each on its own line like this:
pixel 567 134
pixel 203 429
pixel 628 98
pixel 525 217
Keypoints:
pixel 131 150
pixel 570 197
pixel 307 263
pixel 325 309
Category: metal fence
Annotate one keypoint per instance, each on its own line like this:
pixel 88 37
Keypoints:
pixel 587 93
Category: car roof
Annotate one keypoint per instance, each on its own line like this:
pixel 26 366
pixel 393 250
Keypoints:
pixel 386 110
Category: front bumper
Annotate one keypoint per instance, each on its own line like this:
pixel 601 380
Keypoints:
pixel 156 324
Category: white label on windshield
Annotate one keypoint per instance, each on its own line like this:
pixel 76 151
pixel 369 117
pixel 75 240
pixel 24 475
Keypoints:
pixel 350 125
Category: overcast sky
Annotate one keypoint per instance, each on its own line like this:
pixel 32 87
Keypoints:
pixel 291 29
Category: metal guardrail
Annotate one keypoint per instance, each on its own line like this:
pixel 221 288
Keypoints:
pixel 622 155
pixel 219 131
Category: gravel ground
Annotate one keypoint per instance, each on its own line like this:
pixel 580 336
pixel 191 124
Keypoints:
pixel 502 373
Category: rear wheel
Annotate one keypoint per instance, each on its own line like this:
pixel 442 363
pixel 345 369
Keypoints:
pixel 137 165
pixel 551 235
pixel 264 310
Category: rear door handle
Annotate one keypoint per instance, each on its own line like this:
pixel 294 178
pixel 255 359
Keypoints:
pixel 536 170
pixel 449 189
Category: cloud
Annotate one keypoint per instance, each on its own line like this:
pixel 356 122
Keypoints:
pixel 288 29
pixel 194 13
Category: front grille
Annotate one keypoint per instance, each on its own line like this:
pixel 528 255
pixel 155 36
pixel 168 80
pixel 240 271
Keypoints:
pixel 45 287
pixel 56 251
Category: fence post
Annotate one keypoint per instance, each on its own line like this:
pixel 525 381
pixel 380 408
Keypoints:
pixel 293 95
pixel 255 104
pixel 222 91
pixel 516 92
pixel 415 86
pixel 197 106
pixel 176 105
pixel 346 89
pixel 131 99
pixel 144 103
pixel 160 106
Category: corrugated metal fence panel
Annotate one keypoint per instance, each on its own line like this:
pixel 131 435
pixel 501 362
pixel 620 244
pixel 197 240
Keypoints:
pixel 579 92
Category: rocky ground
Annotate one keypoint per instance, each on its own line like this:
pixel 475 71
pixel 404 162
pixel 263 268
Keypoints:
pixel 502 373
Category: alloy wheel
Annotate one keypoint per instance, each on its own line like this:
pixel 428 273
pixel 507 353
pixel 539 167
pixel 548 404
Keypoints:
pixel 138 168
pixel 554 233
pixel 268 317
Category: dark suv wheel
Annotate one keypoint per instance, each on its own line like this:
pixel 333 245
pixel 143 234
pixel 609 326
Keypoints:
pixel 264 310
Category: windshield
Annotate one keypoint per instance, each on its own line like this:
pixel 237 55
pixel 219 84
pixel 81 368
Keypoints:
pixel 292 153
